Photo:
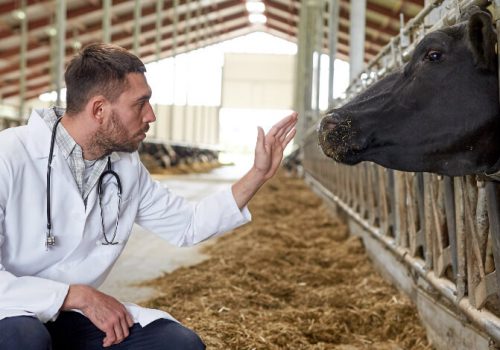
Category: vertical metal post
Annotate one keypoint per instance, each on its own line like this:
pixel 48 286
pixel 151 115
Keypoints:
pixel 319 52
pixel 299 77
pixel 304 79
pixel 492 189
pixel 497 25
pixel 158 25
pixel 60 47
pixel 333 29
pixel 175 23
pixel 308 71
pixel 205 113
pixel 159 10
pixel 187 40
pixel 197 107
pixel 137 26
pixel 493 199
pixel 106 21
pixel 22 63
pixel 449 197
pixel 357 37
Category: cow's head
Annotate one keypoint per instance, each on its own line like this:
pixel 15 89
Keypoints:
pixel 440 113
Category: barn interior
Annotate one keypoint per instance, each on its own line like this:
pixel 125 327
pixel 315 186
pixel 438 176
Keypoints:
pixel 220 68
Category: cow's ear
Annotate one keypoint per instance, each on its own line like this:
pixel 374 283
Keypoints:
pixel 482 38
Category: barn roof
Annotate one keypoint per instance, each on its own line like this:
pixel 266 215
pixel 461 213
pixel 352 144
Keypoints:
pixel 199 22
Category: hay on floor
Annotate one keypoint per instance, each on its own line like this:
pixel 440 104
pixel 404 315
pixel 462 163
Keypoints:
pixel 292 279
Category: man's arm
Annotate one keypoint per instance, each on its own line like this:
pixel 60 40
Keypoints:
pixel 268 156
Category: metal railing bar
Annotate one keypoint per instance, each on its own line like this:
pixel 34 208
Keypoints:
pixel 482 319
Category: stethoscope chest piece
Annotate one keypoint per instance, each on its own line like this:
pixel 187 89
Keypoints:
pixel 50 240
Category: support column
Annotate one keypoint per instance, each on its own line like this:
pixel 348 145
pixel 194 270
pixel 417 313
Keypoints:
pixel 106 21
pixel 175 23
pixel 319 51
pixel 187 41
pixel 159 9
pixel 304 80
pixel 158 25
pixel 333 29
pixel 299 76
pixel 357 38
pixel 22 63
pixel 60 47
pixel 137 26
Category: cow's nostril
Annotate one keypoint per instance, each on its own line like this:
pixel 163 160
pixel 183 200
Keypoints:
pixel 329 125
pixel 330 122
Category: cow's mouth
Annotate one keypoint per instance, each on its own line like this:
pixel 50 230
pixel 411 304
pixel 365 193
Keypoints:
pixel 336 139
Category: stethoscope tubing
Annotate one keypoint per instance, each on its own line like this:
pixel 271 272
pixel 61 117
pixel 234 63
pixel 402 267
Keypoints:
pixel 100 191
pixel 50 239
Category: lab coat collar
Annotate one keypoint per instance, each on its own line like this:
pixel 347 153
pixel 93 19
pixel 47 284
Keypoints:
pixel 40 134
pixel 39 140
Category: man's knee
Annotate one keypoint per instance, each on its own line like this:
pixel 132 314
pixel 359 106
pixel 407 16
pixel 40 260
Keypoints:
pixel 177 336
pixel 23 332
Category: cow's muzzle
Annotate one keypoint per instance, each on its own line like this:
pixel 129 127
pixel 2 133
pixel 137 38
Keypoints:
pixel 336 138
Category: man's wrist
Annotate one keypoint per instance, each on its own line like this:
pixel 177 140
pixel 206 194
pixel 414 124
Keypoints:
pixel 75 299
pixel 244 189
pixel 257 175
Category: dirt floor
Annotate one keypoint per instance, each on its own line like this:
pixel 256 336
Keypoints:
pixel 292 279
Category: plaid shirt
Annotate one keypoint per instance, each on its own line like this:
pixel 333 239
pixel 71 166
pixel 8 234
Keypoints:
pixel 85 173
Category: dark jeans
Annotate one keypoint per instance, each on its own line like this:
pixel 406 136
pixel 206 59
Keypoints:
pixel 73 331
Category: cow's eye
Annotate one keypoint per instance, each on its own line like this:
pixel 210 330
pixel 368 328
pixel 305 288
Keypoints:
pixel 433 55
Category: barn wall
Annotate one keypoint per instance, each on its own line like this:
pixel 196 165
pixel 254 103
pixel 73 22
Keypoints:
pixel 197 125
pixel 258 81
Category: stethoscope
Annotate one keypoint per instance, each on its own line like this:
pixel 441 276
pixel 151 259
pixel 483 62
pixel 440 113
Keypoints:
pixel 50 238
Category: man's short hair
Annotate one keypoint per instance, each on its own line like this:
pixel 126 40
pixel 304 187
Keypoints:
pixel 98 69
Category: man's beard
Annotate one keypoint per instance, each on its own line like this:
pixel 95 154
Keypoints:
pixel 114 138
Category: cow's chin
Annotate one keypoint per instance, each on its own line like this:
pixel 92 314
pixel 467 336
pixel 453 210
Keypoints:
pixel 341 153
pixel 340 147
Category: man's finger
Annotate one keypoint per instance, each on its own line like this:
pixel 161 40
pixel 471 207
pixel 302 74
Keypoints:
pixel 282 123
pixel 130 321
pixel 281 131
pixel 287 131
pixel 120 333
pixel 289 137
pixel 259 147
pixel 125 327
pixel 110 338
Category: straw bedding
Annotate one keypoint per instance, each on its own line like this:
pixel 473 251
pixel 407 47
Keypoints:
pixel 291 279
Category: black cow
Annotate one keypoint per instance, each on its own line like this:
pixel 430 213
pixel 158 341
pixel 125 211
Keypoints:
pixel 440 113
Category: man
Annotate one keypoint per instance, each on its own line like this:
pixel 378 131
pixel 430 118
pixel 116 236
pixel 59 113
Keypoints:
pixel 63 224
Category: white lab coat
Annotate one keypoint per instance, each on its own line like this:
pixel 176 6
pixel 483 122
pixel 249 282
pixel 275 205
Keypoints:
pixel 34 281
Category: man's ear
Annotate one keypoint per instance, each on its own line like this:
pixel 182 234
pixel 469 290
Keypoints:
pixel 482 40
pixel 97 108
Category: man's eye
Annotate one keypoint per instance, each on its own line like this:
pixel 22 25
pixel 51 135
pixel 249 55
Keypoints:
pixel 433 55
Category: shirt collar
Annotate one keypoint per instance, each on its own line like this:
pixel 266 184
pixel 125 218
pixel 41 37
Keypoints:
pixel 64 141
pixel 49 116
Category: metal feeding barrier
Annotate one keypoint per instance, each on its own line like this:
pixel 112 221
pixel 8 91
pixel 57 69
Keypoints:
pixel 445 230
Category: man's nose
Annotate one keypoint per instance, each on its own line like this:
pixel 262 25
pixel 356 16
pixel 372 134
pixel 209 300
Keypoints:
pixel 150 115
